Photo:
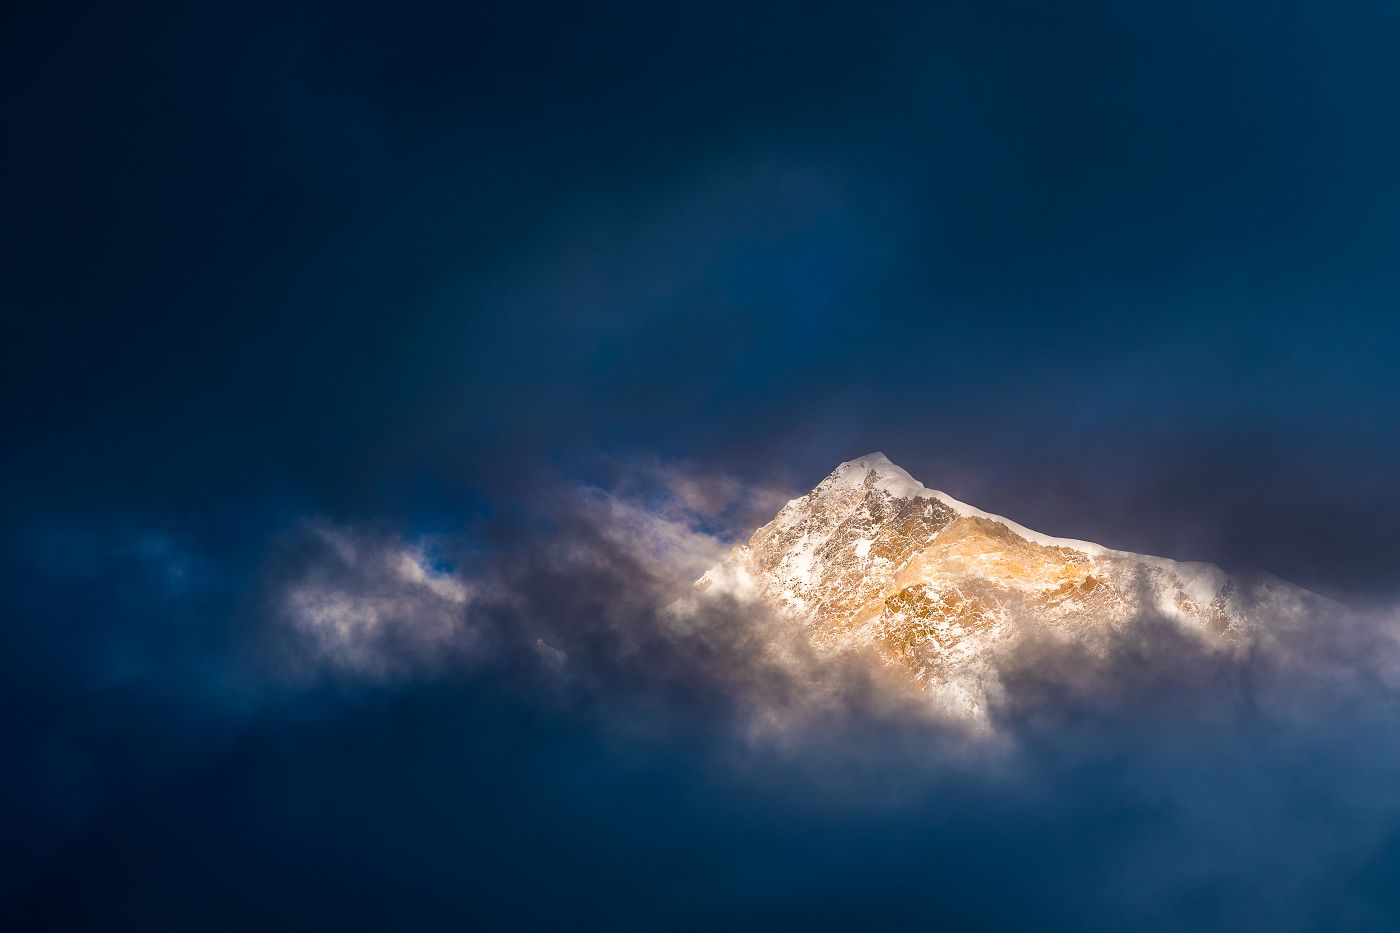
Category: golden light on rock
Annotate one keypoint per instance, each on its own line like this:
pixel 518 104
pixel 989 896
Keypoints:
pixel 872 559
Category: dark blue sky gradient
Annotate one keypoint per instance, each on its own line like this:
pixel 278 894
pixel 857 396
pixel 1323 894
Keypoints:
pixel 1123 271
pixel 1120 271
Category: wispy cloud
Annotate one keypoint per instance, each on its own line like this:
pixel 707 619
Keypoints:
pixel 594 601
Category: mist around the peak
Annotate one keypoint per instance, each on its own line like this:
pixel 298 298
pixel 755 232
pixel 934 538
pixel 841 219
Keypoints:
pixel 546 724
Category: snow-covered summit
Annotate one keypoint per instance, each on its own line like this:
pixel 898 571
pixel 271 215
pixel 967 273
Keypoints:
pixel 873 558
pixel 878 471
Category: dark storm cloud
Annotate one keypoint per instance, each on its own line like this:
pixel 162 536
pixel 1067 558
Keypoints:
pixel 319 314
pixel 1151 777
pixel 265 258
pixel 560 711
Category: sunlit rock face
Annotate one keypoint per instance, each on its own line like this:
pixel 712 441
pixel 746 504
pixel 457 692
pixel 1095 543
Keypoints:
pixel 871 558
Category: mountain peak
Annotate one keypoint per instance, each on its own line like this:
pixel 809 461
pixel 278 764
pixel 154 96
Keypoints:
pixel 873 559
pixel 877 470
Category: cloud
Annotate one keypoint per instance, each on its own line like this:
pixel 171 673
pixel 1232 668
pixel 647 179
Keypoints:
pixel 591 602
pixel 368 605
pixel 546 704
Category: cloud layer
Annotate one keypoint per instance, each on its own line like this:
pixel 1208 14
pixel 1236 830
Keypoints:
pixel 548 705
pixel 595 594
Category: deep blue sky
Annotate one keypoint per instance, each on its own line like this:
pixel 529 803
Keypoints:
pixel 1121 271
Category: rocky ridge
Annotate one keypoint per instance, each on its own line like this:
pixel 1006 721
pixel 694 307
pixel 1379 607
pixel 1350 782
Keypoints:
pixel 871 558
